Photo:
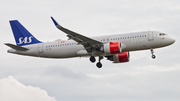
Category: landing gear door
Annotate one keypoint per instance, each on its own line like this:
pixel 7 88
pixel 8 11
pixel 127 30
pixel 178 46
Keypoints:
pixel 150 36
pixel 40 47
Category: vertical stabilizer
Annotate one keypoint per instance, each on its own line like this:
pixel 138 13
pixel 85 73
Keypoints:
pixel 22 35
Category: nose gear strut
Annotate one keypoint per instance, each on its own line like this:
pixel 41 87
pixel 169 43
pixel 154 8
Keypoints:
pixel 152 52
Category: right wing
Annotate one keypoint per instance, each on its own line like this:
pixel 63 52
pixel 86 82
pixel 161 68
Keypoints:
pixel 87 42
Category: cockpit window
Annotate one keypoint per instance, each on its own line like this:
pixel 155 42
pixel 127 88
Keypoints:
pixel 162 34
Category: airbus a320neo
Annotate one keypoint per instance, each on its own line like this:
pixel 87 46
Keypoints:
pixel 115 48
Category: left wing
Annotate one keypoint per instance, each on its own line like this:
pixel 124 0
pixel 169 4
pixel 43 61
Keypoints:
pixel 87 42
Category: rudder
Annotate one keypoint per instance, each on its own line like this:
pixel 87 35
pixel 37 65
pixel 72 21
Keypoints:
pixel 22 35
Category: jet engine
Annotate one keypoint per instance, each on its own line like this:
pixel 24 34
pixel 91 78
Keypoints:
pixel 113 48
pixel 119 58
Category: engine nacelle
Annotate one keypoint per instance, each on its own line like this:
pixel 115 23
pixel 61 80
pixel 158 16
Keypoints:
pixel 121 57
pixel 113 48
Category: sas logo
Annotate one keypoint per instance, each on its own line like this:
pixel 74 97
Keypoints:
pixel 25 40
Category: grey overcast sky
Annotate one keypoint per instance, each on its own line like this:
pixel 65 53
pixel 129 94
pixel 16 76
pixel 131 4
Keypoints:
pixel 25 78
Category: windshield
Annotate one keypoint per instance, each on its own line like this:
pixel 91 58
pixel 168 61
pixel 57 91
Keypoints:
pixel 162 34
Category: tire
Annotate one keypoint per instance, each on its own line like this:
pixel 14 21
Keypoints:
pixel 92 59
pixel 153 56
pixel 99 65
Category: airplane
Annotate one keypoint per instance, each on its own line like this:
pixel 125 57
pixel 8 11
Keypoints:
pixel 115 48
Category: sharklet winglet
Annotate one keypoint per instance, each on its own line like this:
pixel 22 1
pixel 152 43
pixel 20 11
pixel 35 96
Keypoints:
pixel 55 23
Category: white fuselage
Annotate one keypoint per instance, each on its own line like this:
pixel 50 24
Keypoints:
pixel 69 48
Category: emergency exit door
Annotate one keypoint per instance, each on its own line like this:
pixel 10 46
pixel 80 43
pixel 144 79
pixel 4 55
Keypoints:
pixel 150 36
pixel 40 47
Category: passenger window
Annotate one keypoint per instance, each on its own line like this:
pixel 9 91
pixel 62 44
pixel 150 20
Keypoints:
pixel 107 39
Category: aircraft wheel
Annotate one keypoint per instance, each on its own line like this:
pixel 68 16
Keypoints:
pixel 153 56
pixel 92 59
pixel 99 65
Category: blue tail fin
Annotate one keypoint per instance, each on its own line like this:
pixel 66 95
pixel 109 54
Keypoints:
pixel 22 35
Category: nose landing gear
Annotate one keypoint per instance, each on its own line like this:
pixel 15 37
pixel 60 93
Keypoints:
pixel 153 56
pixel 152 52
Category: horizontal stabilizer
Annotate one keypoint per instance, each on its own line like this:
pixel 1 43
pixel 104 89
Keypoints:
pixel 16 47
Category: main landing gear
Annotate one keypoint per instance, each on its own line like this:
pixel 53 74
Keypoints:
pixel 99 64
pixel 92 59
pixel 152 52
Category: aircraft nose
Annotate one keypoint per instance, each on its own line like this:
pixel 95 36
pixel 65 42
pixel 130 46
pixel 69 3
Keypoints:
pixel 172 40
